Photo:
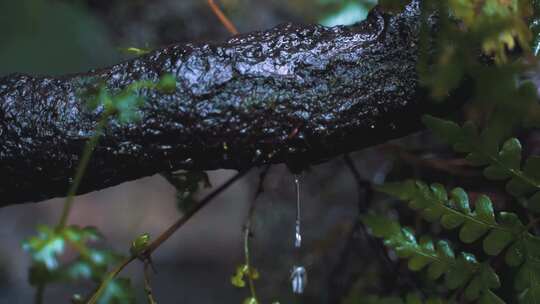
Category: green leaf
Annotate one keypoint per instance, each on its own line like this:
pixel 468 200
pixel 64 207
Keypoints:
pixel 446 129
pixel 515 255
pixel 451 221
pixel 90 263
pixel 509 159
pixel 461 200
pixel 167 84
pixel 135 51
pixel 496 241
pixel 250 300
pixel 45 247
pixel 488 297
pixel 187 185
pixel 455 211
pixel 413 299
pixel 484 209
pixel 381 227
pixel 242 272
pixel 481 150
pixel 118 291
pixel 472 231
pixel 440 259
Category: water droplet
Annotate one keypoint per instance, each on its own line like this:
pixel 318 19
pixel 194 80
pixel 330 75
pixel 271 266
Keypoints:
pixel 298 279
pixel 298 235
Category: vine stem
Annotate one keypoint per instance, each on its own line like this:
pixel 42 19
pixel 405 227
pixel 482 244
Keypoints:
pixel 223 18
pixel 81 169
pixel 166 234
pixel 181 221
pixel 147 285
pixel 109 278
pixel 247 234
pixel 247 231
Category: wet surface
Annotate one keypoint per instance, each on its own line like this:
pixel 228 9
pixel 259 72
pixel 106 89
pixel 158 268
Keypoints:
pixel 295 94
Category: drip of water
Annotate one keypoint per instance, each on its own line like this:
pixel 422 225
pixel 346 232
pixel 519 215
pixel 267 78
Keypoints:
pixel 298 235
pixel 298 279
pixel 298 273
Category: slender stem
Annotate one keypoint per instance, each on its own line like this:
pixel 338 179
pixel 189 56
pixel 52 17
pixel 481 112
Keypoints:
pixel 81 169
pixel 181 221
pixel 147 285
pixel 89 149
pixel 166 234
pixel 221 16
pixel 247 232
pixel 109 278
pixel 361 185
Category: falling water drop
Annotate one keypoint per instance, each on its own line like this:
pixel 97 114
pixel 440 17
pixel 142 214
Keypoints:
pixel 298 273
pixel 298 279
pixel 298 235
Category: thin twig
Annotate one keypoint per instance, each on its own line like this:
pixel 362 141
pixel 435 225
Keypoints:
pixel 166 234
pixel 109 278
pixel 365 193
pixel 361 185
pixel 248 233
pixel 377 246
pixel 147 285
pixel 81 169
pixel 457 166
pixel 223 18
pixel 181 221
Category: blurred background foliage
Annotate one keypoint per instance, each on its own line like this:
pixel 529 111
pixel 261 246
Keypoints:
pixel 56 36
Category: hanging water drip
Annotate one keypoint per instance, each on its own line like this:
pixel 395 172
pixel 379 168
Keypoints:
pixel 297 235
pixel 298 273
pixel 298 279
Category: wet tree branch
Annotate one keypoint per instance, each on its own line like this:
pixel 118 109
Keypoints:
pixel 237 103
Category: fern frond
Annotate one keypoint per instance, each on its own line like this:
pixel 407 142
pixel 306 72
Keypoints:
pixel 501 163
pixel 477 278
pixel 504 230
pixel 454 211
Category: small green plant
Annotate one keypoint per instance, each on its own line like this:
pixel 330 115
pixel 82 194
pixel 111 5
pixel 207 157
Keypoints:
pixel 91 263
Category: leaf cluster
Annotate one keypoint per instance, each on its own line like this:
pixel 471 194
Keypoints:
pixel 461 271
pixel 90 263
pixel 504 163
pixel 187 184
pixel 501 233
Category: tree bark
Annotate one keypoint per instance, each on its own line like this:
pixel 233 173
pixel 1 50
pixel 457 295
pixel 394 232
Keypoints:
pixel 295 94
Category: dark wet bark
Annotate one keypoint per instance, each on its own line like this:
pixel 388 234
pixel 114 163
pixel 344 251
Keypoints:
pixel 294 94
